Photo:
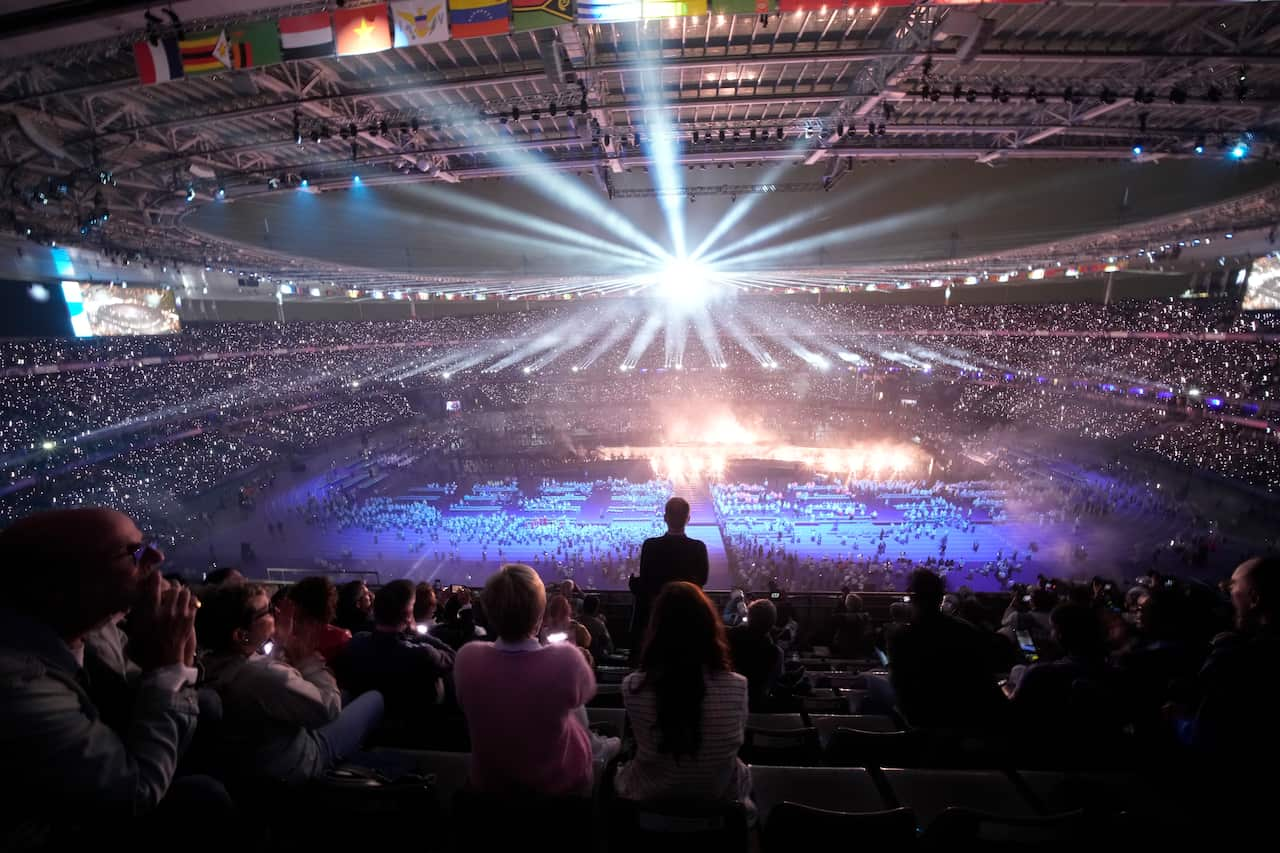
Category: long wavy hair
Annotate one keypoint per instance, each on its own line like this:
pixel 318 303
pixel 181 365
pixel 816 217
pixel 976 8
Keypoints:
pixel 685 641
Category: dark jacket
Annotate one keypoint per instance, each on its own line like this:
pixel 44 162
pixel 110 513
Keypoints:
pixel 941 670
pixel 406 668
pixel 756 656
pixel 663 559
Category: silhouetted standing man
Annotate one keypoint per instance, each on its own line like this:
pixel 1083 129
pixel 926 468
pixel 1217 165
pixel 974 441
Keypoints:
pixel 670 557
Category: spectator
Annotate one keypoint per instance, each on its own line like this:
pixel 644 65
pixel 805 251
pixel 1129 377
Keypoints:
pixel 670 557
pixel 755 655
pixel 458 627
pixel 1068 694
pixel 71 574
pixel 854 637
pixel 222 575
pixel 1240 683
pixel 687 707
pixel 424 606
pixel 315 604
pixel 938 666
pixel 407 668
pixel 549 752
pixel 601 642
pixel 282 713
pixel 735 609
pixel 355 607
pixel 558 620
pixel 282 607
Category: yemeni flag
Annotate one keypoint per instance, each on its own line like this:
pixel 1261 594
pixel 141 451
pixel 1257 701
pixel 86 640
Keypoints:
pixel 306 36
pixel 363 30
pixel 254 45
pixel 742 7
pixel 158 63
pixel 539 14
pixel 474 18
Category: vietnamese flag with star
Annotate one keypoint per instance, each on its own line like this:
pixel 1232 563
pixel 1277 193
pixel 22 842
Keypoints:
pixel 363 30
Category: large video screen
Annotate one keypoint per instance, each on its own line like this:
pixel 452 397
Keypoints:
pixel 1262 289
pixel 32 310
pixel 99 310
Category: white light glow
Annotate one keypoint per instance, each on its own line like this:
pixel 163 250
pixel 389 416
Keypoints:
pixel 686 284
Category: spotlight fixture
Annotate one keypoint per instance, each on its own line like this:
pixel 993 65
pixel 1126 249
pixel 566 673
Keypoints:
pixel 191 193
pixel 1199 147
pixel 382 127
pixel 781 133
pixel 722 134
pixel 221 193
pixel 1107 96
pixel 753 134
pixel 537 114
pixel 1238 151
pixel 737 134
pixel 1213 94
pixel 957 93
pixel 414 125
pixel 551 108
pixel 1177 95
pixel 515 113
pixel 355 151
pixel 706 136
pixel 1137 149
pixel 608 140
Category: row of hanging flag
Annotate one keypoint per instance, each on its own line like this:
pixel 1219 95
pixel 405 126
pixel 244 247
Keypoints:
pixel 404 23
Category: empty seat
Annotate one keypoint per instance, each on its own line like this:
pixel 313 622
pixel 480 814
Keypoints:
pixel 679 826
pixel 1100 793
pixel 450 769
pixel 931 792
pixel 962 826
pixel 776 721
pixel 781 747
pixel 842 790
pixel 856 748
pixel 826 724
pixel 796 827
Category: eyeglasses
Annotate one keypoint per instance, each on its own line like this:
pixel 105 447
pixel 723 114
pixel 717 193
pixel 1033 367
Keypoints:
pixel 136 551
pixel 269 610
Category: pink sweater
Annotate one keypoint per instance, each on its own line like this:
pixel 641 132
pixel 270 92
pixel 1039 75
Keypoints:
pixel 519 699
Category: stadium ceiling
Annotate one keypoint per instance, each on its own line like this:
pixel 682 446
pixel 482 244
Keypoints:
pixel 986 83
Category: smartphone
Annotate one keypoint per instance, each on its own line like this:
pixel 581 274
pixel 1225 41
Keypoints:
pixel 421 628
pixel 1026 599
pixel 1028 647
pixel 775 595
pixel 557 637
pixel 268 647
pixel 906 599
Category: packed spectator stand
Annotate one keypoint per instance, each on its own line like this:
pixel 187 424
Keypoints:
pixel 1059 714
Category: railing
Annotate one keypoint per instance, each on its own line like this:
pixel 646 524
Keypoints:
pixel 275 574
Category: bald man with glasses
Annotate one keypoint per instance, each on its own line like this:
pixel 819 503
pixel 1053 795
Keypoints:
pixel 93 718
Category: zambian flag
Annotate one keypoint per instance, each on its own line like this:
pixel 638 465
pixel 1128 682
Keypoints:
pixel 539 14
pixel 746 7
pixel 241 46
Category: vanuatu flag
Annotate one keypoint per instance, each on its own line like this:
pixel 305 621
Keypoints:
pixel 536 14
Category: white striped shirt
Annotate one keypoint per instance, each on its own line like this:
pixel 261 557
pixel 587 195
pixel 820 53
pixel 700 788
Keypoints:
pixel 715 772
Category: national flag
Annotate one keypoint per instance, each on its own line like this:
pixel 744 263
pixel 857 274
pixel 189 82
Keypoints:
pixel 604 11
pixel 472 18
pixel 205 52
pixel 158 63
pixel 824 5
pixel 363 30
pixel 306 36
pixel 254 45
pixel 673 8
pixel 419 22
pixel 536 14
pixel 741 7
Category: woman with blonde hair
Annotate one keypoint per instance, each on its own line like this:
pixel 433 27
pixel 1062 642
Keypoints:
pixel 521 698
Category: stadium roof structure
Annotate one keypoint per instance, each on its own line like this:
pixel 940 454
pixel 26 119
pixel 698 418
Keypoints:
pixel 986 83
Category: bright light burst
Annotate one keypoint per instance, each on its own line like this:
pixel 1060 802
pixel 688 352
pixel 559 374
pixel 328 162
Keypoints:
pixel 686 284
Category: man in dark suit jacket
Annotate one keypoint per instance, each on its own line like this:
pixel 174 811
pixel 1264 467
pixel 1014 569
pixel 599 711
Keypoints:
pixel 671 557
